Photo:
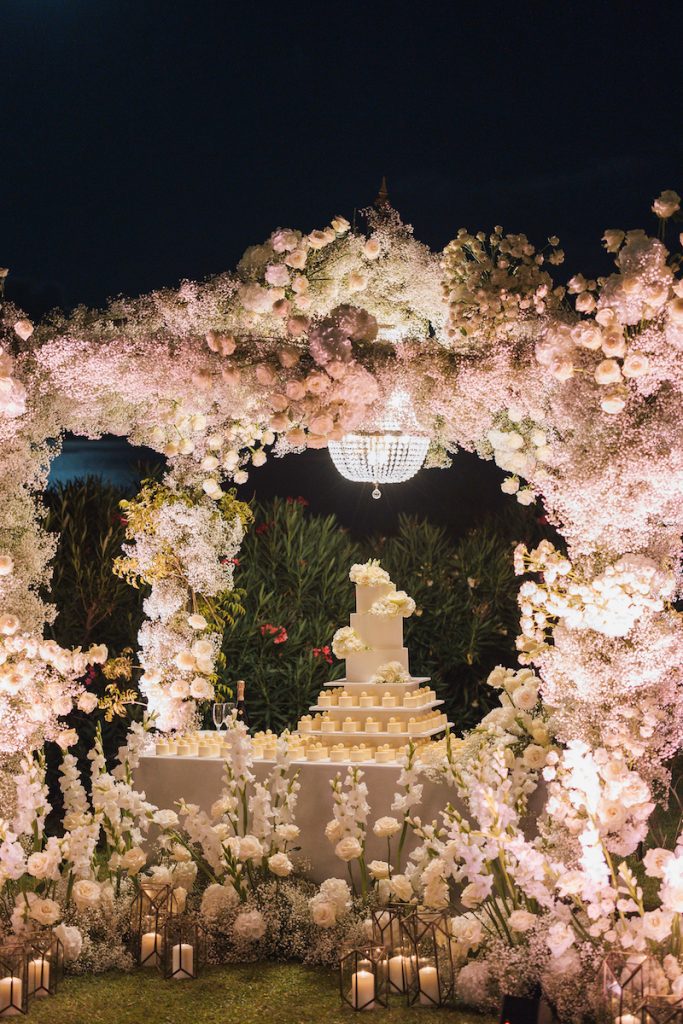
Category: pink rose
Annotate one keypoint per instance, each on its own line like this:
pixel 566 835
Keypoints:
pixel 297 326
pixel 279 422
pixel 265 374
pixel 277 274
pixel 322 424
pixel 288 357
pixel 282 308
pixel 295 390
pixel 296 437
pixel 279 402
pixel 231 375
pixel 317 383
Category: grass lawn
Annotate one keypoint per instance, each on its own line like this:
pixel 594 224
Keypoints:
pixel 263 993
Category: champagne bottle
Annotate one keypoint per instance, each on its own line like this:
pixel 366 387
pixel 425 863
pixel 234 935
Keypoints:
pixel 241 704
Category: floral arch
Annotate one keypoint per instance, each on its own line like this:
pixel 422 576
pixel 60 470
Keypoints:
pixel 575 392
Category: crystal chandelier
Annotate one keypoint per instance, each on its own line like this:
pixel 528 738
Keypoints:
pixel 388 454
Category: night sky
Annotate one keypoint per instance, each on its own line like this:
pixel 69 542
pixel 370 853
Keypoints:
pixel 146 142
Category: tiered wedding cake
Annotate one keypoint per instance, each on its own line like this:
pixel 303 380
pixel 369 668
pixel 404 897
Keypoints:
pixel 374 712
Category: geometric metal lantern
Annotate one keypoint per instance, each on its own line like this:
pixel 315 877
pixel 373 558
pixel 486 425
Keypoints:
pixel 45 965
pixel 386 931
pixel 363 977
pixel 150 910
pixel 13 979
pixel 430 977
pixel 635 988
pixel 184 948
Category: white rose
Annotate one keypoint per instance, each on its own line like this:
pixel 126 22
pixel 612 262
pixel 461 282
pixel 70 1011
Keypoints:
pixel 6 565
pixel 323 912
pixel 250 925
pixel 635 364
pixel 385 827
pixel 184 660
pixel 287 833
pixel 534 756
pixel 348 849
pixel 45 912
pixel 259 458
pixel 379 869
pixel 40 865
pixel 525 697
pixel 280 865
pixel 250 848
pixel 197 621
pixel 9 624
pixel 201 689
pixel 608 372
pixel 71 940
pixel 655 861
pixel 24 328
pixel 668 203
pixel 217 899
pixel 133 860
pixel 87 702
pixel 521 920
pixel 401 888
pixel 86 894
pixel 333 831
pixel 371 249
pixel 510 485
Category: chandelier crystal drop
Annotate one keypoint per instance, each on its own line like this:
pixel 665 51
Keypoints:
pixel 391 453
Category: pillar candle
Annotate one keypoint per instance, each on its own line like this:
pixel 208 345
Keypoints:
pixel 150 944
pixel 362 990
pixel 396 972
pixel 10 996
pixel 38 977
pixel 627 1018
pixel 182 960
pixel 429 986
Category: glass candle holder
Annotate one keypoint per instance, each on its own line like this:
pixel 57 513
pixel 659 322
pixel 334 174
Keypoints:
pixel 45 965
pixel 184 948
pixel 635 990
pixel 151 909
pixel 13 979
pixel 428 962
pixel 363 977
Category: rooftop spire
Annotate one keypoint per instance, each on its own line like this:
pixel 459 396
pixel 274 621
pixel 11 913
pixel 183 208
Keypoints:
pixel 383 195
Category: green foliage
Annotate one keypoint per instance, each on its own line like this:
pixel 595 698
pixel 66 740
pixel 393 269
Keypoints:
pixel 293 573
pixel 94 606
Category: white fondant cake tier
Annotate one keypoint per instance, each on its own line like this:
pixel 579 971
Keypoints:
pixel 366 596
pixel 378 631
pixel 361 665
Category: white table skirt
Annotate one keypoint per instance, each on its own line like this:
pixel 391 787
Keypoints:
pixel 164 780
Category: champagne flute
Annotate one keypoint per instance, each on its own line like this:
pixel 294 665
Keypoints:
pixel 218 715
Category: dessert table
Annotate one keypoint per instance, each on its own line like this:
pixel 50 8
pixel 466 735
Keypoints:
pixel 164 780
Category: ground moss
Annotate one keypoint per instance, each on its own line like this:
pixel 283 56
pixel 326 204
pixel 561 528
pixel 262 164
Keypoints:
pixel 246 994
